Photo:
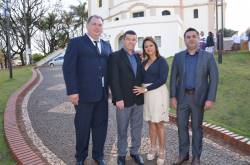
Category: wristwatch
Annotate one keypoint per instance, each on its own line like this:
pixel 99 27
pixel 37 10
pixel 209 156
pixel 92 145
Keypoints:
pixel 145 90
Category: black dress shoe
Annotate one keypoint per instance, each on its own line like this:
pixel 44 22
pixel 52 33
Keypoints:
pixel 100 162
pixel 138 159
pixel 196 161
pixel 181 160
pixel 121 160
pixel 79 163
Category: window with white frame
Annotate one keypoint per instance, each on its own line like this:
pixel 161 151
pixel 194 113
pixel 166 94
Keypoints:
pixel 158 40
pixel 99 3
pixel 165 12
pixel 138 14
pixel 196 13
pixel 140 41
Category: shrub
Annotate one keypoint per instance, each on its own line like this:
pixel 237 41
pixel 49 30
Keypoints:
pixel 37 57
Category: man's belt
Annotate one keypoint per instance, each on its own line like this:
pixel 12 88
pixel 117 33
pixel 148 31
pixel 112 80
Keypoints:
pixel 190 91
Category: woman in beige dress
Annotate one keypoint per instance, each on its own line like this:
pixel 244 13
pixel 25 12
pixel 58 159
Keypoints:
pixel 156 98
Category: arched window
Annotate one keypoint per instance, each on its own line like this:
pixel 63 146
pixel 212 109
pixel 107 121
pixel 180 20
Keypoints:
pixel 196 13
pixel 165 12
pixel 120 43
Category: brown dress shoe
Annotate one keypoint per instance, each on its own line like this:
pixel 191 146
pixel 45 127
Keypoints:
pixel 181 160
pixel 196 161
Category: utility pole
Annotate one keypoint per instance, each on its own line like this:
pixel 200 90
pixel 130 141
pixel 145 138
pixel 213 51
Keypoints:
pixel 220 35
pixel 222 32
pixel 217 25
pixel 7 32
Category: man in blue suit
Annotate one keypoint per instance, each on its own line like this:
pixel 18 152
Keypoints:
pixel 193 86
pixel 85 75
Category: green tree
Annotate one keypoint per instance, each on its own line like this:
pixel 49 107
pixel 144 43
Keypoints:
pixel 32 10
pixel 37 57
pixel 81 15
pixel 228 32
pixel 48 26
pixel 55 32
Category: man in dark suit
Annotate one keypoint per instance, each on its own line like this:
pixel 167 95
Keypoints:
pixel 125 73
pixel 85 75
pixel 193 86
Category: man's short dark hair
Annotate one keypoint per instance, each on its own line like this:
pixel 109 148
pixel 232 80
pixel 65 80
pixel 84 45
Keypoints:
pixel 191 29
pixel 94 16
pixel 129 32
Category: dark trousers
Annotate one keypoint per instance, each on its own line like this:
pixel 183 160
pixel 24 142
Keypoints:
pixel 184 110
pixel 91 117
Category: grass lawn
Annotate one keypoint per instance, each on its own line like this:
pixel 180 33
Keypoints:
pixel 8 86
pixel 232 108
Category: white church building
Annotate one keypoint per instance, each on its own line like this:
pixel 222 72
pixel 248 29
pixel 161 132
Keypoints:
pixel 164 20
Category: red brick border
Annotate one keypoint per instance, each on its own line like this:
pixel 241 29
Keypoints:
pixel 236 141
pixel 24 155
pixel 20 149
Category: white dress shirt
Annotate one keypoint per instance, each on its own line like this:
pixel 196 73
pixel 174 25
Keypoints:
pixel 98 42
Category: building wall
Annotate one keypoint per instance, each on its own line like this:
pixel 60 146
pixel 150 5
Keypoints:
pixel 123 9
pixel 170 32
pixel 159 11
pixel 194 2
pixel 152 2
pixel 95 9
pixel 200 23
pixel 118 18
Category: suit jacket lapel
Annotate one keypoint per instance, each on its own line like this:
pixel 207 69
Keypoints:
pixel 198 67
pixel 90 43
pixel 183 64
pixel 138 61
pixel 104 47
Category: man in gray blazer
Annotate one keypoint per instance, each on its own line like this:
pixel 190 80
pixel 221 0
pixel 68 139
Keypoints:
pixel 193 86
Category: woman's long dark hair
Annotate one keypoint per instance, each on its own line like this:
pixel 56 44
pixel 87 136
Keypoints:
pixel 156 47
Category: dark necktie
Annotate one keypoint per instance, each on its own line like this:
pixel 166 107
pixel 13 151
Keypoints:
pixel 96 46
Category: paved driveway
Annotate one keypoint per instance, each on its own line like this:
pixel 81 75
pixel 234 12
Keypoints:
pixel 52 116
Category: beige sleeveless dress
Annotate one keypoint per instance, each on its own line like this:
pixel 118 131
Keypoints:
pixel 156 104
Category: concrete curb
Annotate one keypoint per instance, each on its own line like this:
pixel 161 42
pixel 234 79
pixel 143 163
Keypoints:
pixel 20 149
pixel 37 143
pixel 236 141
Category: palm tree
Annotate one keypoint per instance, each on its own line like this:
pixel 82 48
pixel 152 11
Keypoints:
pixel 81 14
pixel 50 28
